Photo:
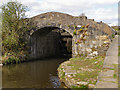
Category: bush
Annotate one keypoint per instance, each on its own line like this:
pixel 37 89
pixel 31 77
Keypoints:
pixel 13 27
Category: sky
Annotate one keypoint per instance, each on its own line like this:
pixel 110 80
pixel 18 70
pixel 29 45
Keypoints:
pixel 99 10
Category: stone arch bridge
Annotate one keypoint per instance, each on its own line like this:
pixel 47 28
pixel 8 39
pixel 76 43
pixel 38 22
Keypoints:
pixel 54 33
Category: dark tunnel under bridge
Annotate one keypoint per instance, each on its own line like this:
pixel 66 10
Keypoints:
pixel 50 42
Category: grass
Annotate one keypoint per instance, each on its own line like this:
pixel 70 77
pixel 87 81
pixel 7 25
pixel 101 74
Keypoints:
pixel 95 65
pixel 84 76
pixel 87 70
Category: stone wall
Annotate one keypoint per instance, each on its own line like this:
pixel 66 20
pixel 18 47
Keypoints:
pixel 89 42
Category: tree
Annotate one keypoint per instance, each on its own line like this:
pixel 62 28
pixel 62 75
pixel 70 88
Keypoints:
pixel 13 26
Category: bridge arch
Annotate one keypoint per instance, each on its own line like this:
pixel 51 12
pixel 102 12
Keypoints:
pixel 50 41
pixel 46 23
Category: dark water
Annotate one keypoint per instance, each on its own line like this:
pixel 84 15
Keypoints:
pixel 35 74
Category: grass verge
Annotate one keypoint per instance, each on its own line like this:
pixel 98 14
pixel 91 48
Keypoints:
pixel 84 71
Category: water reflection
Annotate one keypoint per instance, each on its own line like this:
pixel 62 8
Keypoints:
pixel 37 74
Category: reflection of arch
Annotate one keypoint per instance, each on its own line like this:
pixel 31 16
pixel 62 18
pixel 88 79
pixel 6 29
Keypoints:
pixel 50 41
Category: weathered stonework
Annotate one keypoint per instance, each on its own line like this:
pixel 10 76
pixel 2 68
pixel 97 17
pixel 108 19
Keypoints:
pixel 87 35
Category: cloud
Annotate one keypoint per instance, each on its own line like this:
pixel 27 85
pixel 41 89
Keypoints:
pixel 100 10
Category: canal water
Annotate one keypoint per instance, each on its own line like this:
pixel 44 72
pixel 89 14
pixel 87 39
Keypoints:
pixel 34 74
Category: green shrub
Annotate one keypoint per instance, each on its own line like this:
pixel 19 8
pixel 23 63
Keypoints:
pixel 14 28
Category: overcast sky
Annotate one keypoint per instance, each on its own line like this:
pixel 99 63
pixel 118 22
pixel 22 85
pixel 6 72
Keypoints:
pixel 100 10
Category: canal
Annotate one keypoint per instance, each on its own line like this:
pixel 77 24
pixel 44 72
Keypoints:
pixel 34 74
